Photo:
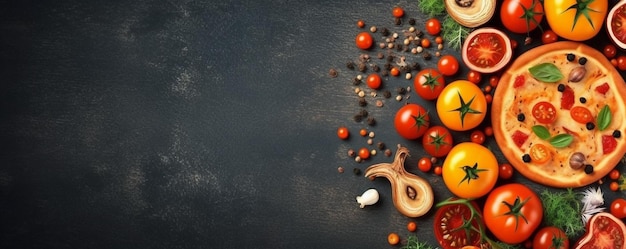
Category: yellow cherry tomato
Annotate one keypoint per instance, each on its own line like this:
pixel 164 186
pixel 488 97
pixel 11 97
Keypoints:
pixel 461 106
pixel 576 20
pixel 470 170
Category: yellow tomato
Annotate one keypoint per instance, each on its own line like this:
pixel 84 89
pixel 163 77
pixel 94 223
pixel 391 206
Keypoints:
pixel 470 170
pixel 461 106
pixel 576 20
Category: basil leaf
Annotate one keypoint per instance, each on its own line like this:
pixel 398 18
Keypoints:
pixel 604 118
pixel 546 72
pixel 541 131
pixel 561 140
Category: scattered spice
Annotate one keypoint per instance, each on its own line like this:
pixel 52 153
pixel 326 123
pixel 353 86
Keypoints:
pixel 333 73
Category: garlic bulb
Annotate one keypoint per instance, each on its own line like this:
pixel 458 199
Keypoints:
pixel 369 197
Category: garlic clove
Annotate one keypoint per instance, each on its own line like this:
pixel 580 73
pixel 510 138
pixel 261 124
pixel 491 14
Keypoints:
pixel 369 197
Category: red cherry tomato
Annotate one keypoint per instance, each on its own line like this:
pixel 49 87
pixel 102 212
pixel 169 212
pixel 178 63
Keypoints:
pixel 614 174
pixel 621 62
pixel 549 36
pixel 397 11
pixel 544 112
pixel 609 51
pixel 364 40
pixel 411 121
pixel 521 16
pixel 618 208
pixel 364 153
pixel 474 76
pixel 429 83
pixel 424 164
pixel 505 171
pixel 550 238
pixel 433 26
pixel 374 81
pixel 477 136
pixel 437 141
pixel 343 132
pixel 448 65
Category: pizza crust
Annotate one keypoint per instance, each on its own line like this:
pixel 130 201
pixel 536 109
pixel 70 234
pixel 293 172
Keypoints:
pixel 557 172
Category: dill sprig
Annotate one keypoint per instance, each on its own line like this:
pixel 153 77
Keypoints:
pixel 413 243
pixel 562 209
pixel 432 8
pixel 453 32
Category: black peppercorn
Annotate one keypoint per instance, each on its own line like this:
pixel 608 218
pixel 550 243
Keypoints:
pixel 561 88
pixel 363 113
pixel 356 81
pixel 427 56
pixel 371 121
pixel 381 145
pixel 412 21
pixel 415 66
pixel 526 158
pixel 375 68
pixel 358 118
pixel 588 169
pixel 387 94
pixel 401 90
pixel 583 100
pixel 350 65
pixel 356 171
pixel 590 125
pixel 582 61
pixel 521 117
pixel 571 57
pixel 617 134
pixel 362 67
pixel 362 101
pixel 397 20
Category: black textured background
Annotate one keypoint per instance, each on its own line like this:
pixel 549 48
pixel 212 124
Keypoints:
pixel 193 124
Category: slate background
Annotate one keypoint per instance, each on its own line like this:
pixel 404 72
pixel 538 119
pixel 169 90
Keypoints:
pixel 192 124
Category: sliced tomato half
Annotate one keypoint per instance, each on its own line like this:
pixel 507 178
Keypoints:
pixel 616 24
pixel 449 230
pixel 486 50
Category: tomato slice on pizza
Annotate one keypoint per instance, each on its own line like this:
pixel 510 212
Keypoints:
pixel 559 115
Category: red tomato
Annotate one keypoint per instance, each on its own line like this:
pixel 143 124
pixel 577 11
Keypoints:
pixel 449 220
pixel 424 164
pixel 615 22
pixel 609 51
pixel 603 231
pixel 614 174
pixel 581 114
pixel 393 238
pixel 411 121
pixel 374 81
pixel 364 40
pixel 448 65
pixel 505 171
pixel 397 11
pixel 567 98
pixel 618 208
pixel 521 16
pixel 512 212
pixel 477 136
pixel 544 112
pixel 540 153
pixel 486 50
pixel 550 238
pixel 411 226
pixel 428 83
pixel 621 62
pixel 549 36
pixel 474 76
pixel 433 26
pixel 364 153
pixel 608 144
pixel 343 132
pixel 437 141
pixel 519 138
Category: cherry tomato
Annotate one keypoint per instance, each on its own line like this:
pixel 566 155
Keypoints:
pixel 486 50
pixel 477 136
pixel 397 11
pixel 544 112
pixel 393 238
pixel 575 20
pixel 470 170
pixel 363 132
pixel 604 230
pixel 521 16
pixel 474 76
pixel 343 132
pixel 411 226
pixel 439 40
pixel 614 186
pixel 614 174
pixel 512 212
pixel 374 81
pixel 550 238
pixel 364 153
pixel 448 65
pixel 581 114
pixel 394 71
pixel 424 164
pixel 425 43
pixel 621 62
pixel 360 23
pixel 364 40
pixel 438 170
pixel 505 171
pixel 489 131
pixel 540 153
pixel 433 26
pixel 494 80
pixel 437 141
pixel 411 121
pixel 448 226
pixel 609 51
pixel 461 106
pixel 428 83
pixel 549 36
pixel 618 208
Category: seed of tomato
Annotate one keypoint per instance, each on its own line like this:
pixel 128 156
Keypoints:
pixel 364 153
pixel 364 40
pixel 433 26
pixel 609 51
pixel 448 65
pixel 505 171
pixel 411 226
pixel 374 81
pixel 438 170
pixel 477 136
pixel 424 164
pixel 621 62
pixel 474 76
pixel 343 133
pixel 614 174
pixel 614 186
pixel 397 11
pixel 393 239
pixel 549 37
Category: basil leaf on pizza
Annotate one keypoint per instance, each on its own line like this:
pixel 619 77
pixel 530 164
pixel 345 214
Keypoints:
pixel 541 131
pixel 561 140
pixel 546 72
pixel 604 118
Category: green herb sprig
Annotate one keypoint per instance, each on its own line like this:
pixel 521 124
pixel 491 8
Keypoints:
pixel 413 243
pixel 454 33
pixel 562 209
pixel 432 8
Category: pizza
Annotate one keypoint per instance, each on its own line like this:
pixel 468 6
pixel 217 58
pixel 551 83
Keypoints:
pixel 559 115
